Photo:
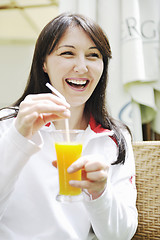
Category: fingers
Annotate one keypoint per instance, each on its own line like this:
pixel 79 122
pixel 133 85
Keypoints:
pixel 38 109
pixel 98 176
pixel 48 96
pixel 52 117
pixel 92 187
pixel 44 103
pixel 54 163
pixel 94 174
pixel 77 165
pixel 95 169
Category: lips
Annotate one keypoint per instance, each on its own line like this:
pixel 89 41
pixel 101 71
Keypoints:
pixel 77 83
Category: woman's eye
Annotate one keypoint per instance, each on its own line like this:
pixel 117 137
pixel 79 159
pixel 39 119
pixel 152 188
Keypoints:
pixel 66 53
pixel 96 55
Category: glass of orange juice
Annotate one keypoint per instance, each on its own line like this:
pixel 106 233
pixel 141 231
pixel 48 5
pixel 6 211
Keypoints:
pixel 68 151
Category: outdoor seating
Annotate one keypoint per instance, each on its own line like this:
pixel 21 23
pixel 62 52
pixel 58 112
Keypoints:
pixel 147 160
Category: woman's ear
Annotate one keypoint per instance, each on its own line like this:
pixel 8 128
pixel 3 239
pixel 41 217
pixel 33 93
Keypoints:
pixel 44 67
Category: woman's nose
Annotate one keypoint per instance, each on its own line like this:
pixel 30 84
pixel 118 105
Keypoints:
pixel 81 66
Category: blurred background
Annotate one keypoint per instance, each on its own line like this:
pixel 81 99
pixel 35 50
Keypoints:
pixel 133 29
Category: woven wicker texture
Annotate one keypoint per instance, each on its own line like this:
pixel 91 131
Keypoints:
pixel 147 159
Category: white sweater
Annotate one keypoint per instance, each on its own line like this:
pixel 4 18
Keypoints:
pixel 29 185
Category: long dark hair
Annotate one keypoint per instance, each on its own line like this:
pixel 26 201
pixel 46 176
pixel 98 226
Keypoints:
pixel 46 42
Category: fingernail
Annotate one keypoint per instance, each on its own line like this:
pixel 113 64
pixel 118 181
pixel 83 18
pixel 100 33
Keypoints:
pixel 71 182
pixel 66 113
pixel 70 169
pixel 68 105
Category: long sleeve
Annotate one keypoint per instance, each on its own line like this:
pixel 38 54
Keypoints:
pixel 15 151
pixel 22 209
pixel 114 214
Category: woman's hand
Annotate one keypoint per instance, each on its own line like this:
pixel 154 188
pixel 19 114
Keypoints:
pixel 94 174
pixel 38 109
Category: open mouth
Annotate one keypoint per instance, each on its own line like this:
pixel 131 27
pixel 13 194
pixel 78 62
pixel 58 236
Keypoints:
pixel 78 84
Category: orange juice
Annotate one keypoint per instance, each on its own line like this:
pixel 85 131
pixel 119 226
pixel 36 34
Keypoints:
pixel 67 153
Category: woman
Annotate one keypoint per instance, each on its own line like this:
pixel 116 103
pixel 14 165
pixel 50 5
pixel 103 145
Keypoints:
pixel 72 53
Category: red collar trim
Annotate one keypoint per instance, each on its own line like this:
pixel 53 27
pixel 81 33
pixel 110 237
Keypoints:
pixel 96 127
pixel 48 124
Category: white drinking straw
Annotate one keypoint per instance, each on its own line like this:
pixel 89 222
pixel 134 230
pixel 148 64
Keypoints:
pixel 62 97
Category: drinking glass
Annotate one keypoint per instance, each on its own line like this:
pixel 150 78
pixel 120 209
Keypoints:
pixel 68 146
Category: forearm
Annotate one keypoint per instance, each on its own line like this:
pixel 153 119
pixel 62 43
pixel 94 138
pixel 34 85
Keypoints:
pixel 111 218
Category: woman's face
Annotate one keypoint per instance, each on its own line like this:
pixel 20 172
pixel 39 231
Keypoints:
pixel 75 66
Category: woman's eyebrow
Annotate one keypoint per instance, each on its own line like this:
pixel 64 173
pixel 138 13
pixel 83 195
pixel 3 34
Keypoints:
pixel 93 47
pixel 70 46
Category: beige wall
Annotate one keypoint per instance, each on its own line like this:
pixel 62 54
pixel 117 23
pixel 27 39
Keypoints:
pixel 15 61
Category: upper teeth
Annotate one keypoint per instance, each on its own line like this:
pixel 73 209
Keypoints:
pixel 80 82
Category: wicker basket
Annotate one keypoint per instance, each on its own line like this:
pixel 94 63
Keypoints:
pixel 147 159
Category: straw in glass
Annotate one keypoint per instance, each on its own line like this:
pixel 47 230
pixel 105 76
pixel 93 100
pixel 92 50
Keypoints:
pixel 62 97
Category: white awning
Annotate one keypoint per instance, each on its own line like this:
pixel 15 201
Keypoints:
pixel 22 20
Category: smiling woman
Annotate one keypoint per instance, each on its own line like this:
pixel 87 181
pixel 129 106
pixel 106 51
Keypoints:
pixel 74 66
pixel 72 53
